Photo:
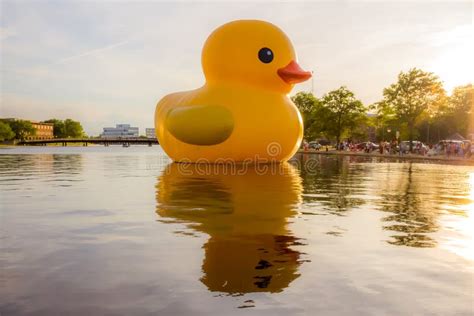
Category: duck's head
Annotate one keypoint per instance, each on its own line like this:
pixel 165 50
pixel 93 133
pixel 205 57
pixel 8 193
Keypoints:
pixel 253 53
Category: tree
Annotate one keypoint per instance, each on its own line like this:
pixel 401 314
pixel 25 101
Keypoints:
pixel 457 112
pixel 6 132
pixel 309 107
pixel 385 122
pixel 59 130
pixel 341 112
pixel 360 128
pixel 415 93
pixel 73 129
pixel 22 129
pixel 66 128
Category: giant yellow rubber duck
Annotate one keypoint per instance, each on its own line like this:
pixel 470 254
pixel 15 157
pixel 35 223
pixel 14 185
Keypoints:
pixel 242 113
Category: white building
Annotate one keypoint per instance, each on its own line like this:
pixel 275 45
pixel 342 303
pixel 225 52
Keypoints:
pixel 120 131
pixel 150 133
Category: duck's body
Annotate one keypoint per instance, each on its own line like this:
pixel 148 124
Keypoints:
pixel 242 113
pixel 260 125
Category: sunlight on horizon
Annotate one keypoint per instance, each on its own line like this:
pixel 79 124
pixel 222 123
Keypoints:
pixel 454 64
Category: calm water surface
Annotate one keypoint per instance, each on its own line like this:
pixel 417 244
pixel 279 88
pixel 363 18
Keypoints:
pixel 122 231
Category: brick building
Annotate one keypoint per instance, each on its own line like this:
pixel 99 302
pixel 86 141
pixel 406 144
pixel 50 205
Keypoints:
pixel 43 130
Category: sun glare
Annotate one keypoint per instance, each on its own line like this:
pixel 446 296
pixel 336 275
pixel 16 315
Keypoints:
pixel 454 64
pixel 469 221
pixel 466 226
pixel 461 227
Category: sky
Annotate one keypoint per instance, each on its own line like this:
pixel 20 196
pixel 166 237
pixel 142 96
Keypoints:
pixel 109 62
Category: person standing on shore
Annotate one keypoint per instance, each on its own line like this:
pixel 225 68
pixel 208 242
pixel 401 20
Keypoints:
pixel 461 150
pixel 305 145
pixel 468 150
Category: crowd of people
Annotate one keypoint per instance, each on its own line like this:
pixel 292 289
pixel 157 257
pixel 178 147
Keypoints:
pixel 454 148
pixel 447 148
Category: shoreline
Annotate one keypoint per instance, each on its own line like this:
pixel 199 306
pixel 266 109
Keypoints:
pixel 456 160
pixel 407 157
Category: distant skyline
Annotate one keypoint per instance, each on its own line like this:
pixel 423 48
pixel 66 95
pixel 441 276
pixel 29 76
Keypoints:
pixel 105 63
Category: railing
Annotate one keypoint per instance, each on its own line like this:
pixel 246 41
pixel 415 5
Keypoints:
pixel 85 141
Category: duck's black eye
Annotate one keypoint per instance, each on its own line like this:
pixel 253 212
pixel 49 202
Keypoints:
pixel 265 55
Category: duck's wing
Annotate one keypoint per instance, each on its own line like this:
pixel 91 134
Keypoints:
pixel 200 124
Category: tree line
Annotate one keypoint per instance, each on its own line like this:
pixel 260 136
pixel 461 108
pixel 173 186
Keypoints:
pixel 416 106
pixel 21 129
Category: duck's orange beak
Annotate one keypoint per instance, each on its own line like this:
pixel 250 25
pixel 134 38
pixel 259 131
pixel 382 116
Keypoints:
pixel 292 73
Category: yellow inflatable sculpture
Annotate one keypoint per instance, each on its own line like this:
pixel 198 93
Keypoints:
pixel 242 113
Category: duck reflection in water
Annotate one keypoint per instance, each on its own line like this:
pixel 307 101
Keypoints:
pixel 245 210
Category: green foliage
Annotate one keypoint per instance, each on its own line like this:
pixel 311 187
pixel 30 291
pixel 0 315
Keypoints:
pixel 67 128
pixel 414 94
pixel 342 114
pixel 6 132
pixel 360 129
pixel 385 122
pixel 416 106
pixel 435 118
pixel 309 107
pixel 454 115
pixel 73 129
pixel 59 130
pixel 22 129
pixel 336 115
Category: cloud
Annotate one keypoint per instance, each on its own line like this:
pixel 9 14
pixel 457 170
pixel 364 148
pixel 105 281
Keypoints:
pixel 91 52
